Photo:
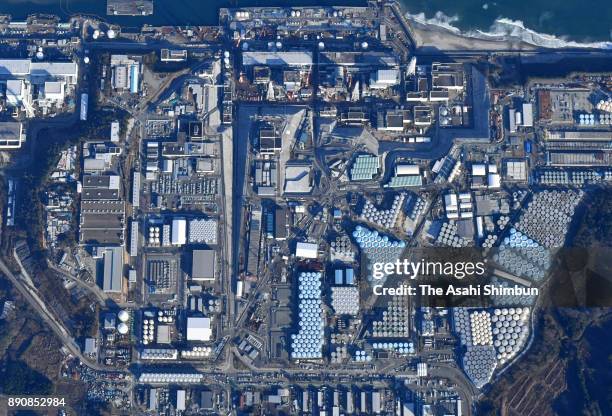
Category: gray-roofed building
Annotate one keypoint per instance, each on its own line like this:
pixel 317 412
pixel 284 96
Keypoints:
pixel 361 59
pixel 14 91
pixel 101 181
pixel 99 194
pixel 280 223
pixel 54 69
pixel 113 270
pixel 297 178
pixel 448 76
pixel 206 402
pixel 294 58
pixel 91 346
pixel 11 135
pixel 14 67
pixel 270 141
pixel 203 265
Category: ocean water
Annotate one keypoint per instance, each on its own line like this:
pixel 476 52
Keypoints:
pixel 574 20
pixel 578 20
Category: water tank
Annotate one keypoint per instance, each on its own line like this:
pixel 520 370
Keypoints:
pixel 86 59
pixel 96 34
pixel 245 46
pixel 122 328
pixel 364 45
pixel 112 34
pixel 123 316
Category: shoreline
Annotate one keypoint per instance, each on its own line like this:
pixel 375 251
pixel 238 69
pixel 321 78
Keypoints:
pixel 438 34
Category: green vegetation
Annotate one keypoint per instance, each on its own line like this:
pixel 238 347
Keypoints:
pixel 48 146
pixel 18 378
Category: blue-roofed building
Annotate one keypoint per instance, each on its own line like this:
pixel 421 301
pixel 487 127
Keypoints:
pixel 405 181
pixel 134 79
pixel 349 277
pixel 365 168
pixel 339 276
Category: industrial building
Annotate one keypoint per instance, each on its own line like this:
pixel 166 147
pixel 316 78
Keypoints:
pixel 203 265
pixel 199 329
pixel 179 232
pixel 406 175
pixel 298 178
pixel 52 81
pixel 102 219
pixel 306 250
pixel 365 167
pixel 113 270
pixel 278 59
pixel 12 135
pixel 447 76
pixel 458 205
pixel 125 74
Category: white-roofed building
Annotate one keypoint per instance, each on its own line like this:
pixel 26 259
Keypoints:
pixel 307 250
pixel 451 205
pixel 384 78
pixel 494 181
pixel 516 170
pixel 406 169
pixel 54 91
pixel 179 231
pixel 114 135
pixel 14 91
pixel 479 169
pixel 528 115
pixel 199 329
pixel 180 400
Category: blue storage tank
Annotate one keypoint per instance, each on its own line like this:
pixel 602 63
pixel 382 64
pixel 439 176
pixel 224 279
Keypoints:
pixel 527 146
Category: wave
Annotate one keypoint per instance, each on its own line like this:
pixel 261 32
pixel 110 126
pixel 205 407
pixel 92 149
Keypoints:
pixel 506 29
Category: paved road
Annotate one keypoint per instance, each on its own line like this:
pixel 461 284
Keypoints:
pixel 90 287
pixel 30 294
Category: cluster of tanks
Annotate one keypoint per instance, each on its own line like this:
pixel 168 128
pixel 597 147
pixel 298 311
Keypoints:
pixel 448 236
pixel 377 248
pixel 492 337
pixel 124 318
pixel 384 218
pixel 548 216
pixel 308 341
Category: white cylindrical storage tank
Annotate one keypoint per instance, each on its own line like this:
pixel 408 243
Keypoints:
pixel 123 315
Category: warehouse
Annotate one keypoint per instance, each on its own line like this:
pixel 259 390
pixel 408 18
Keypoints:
pixel 199 329
pixel 179 231
pixel 113 270
pixel 306 250
pixel 203 265
pixel 272 59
